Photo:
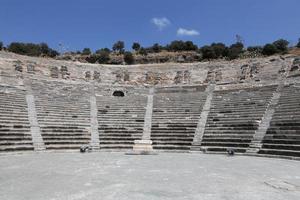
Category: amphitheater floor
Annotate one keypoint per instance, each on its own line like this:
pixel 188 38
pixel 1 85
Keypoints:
pixel 105 176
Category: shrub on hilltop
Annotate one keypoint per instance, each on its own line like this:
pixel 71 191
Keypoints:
pixel 281 45
pixel 119 47
pixel 143 51
pixel 179 45
pixel 235 50
pixel 278 46
pixel 269 49
pixel 86 51
pixel 128 58
pixel 1 45
pixel 220 49
pixel 214 51
pixel 208 52
pixel 31 49
pixel 107 50
pixel 136 46
pixel 103 56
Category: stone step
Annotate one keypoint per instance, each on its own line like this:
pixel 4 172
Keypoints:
pixel 236 119
pixel 171 134
pixel 281 146
pixel 63 128
pixel 14 137
pixel 228 128
pixel 65 137
pixel 281 141
pixel 237 107
pixel 280 152
pixel 236 112
pixel 226 140
pixel 233 121
pixel 282 136
pixel 224 149
pixel 116 146
pixel 62 134
pixel 284 123
pixel 120 138
pixel 119 128
pixel 113 122
pixel 208 131
pixel 178 126
pixel 120 131
pixel 114 142
pixel 12 142
pixel 171 147
pixel 64 146
pixel 172 142
pixel 172 138
pixel 66 142
pixel 284 128
pixel 63 124
pixel 16 148
pixel 225 144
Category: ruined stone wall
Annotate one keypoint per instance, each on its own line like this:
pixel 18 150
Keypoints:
pixel 249 71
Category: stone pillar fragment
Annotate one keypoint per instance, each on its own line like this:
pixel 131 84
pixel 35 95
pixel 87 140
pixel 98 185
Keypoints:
pixel 202 120
pixel 145 145
pixel 95 141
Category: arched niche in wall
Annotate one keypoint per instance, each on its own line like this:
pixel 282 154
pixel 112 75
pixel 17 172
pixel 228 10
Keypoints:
pixel 118 93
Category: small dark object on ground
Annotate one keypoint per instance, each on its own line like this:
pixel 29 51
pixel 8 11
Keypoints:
pixel 230 152
pixel 85 148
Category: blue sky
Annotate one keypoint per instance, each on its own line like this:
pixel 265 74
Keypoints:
pixel 97 23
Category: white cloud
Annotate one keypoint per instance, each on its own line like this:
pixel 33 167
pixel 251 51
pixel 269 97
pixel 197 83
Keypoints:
pixel 161 23
pixel 186 32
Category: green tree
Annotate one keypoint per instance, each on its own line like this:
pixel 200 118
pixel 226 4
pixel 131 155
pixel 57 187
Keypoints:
pixel 119 47
pixel 86 51
pixel 235 50
pixel 176 45
pixel 208 52
pixel 281 45
pixel 92 58
pixel 269 49
pixel 103 49
pixel 136 46
pixel 156 48
pixel 257 49
pixel 103 57
pixel 190 46
pixel 220 49
pixel 143 51
pixel 128 58
pixel 52 53
pixel 1 45
pixel 44 49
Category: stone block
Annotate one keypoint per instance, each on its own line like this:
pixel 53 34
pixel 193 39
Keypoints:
pixel 142 146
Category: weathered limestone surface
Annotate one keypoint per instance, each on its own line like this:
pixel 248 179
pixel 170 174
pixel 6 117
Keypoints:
pixel 146 144
pixel 148 116
pixel 65 105
pixel 258 70
pixel 35 130
pixel 256 142
pixel 95 143
pixel 203 118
